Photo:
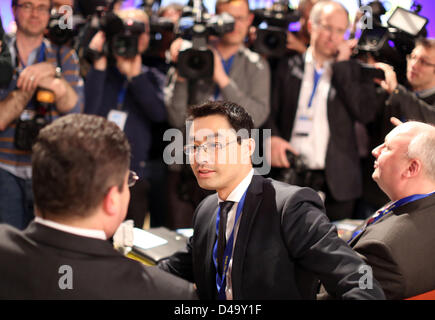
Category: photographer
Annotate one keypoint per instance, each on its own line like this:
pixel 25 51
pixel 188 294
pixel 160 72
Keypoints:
pixel 120 88
pixel 315 119
pixel 240 75
pixel 417 100
pixel 43 71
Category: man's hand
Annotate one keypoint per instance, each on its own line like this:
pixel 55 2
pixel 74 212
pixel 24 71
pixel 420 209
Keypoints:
pixel 345 49
pixel 294 43
pixel 395 121
pixel 32 75
pixel 390 82
pixel 130 67
pixel 97 44
pixel 278 147
pixel 220 77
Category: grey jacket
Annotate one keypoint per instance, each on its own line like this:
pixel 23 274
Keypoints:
pixel 249 87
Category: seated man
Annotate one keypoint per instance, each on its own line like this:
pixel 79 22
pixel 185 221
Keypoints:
pixel 398 240
pixel 81 189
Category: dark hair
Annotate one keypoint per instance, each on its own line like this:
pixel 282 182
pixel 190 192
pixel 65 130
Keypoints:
pixel 428 43
pixel 75 160
pixel 235 114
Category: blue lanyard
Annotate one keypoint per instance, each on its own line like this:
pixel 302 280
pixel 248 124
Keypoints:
pixel 121 95
pixel 317 76
pixel 221 280
pixel 227 67
pixel 41 56
pixel 378 215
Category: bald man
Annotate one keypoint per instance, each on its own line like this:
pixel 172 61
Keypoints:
pixel 397 241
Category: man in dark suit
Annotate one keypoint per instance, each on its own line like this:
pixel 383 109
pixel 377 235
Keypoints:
pixel 256 238
pixel 317 98
pixel 397 241
pixel 81 183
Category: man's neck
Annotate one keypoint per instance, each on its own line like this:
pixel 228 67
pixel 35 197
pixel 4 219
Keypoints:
pixel 422 187
pixel 424 87
pixel 227 51
pixel 225 192
pixel 26 44
pixel 319 59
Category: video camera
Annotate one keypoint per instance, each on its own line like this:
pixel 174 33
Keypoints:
pixel 63 26
pixel 393 43
pixel 197 61
pixel 27 128
pixel 272 25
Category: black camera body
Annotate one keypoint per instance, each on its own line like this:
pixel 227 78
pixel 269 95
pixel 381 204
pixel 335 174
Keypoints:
pixel 124 43
pixel 197 61
pixel 57 31
pixel 272 40
pixel 294 175
pixel 27 130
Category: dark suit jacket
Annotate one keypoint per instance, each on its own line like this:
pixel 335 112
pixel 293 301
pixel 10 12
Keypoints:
pixel 284 244
pixel 349 99
pixel 400 249
pixel 31 259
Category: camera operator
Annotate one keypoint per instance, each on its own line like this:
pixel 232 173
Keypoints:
pixel 417 100
pixel 130 94
pixel 240 75
pixel 315 119
pixel 46 85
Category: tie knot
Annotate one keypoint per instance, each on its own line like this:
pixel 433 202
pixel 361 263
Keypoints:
pixel 226 206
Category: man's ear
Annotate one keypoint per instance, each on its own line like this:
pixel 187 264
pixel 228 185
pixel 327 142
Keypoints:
pixel 111 201
pixel 414 168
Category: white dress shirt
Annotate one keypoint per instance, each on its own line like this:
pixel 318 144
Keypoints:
pixel 236 196
pixel 90 233
pixel 314 144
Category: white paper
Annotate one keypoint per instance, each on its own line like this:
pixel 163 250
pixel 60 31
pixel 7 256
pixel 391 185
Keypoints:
pixel 146 240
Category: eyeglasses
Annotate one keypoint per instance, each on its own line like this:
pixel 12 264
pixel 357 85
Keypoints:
pixel 132 178
pixel 209 147
pixel 423 62
pixel 29 7
pixel 331 29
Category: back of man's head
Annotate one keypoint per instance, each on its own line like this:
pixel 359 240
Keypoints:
pixel 75 161
pixel 422 147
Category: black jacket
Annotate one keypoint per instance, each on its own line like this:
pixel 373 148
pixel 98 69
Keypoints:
pixel 285 243
pixel 31 262
pixel 349 99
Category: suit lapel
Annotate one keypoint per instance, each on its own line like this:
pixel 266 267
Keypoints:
pixel 250 210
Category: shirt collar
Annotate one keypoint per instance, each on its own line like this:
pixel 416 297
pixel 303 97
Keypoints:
pixel 238 191
pixel 90 233
pixel 425 93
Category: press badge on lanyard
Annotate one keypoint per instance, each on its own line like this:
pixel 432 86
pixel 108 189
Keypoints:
pixel 304 123
pixel 303 126
pixel 118 116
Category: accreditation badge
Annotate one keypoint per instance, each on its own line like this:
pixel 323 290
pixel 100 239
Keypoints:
pixel 118 117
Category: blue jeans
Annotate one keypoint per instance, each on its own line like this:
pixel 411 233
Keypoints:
pixel 16 200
